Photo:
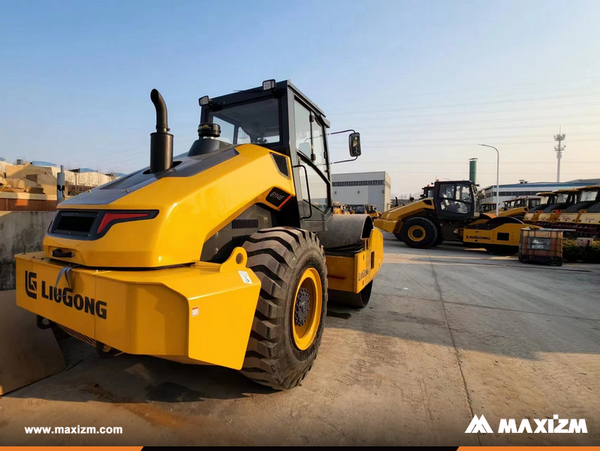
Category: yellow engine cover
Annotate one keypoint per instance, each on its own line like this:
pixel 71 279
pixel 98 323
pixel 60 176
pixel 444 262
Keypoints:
pixel 191 208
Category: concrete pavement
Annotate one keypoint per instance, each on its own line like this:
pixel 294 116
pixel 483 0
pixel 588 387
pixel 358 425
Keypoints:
pixel 449 332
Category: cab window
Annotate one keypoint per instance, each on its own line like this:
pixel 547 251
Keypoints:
pixel 455 198
pixel 310 147
pixel 255 122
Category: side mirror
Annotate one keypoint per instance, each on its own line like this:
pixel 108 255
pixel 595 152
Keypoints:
pixel 354 144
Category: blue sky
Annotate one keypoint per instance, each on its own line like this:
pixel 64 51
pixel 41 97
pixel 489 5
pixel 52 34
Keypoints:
pixel 423 81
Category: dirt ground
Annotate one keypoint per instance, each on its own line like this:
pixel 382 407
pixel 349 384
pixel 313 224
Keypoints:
pixel 449 333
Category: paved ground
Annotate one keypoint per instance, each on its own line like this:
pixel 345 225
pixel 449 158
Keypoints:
pixel 450 332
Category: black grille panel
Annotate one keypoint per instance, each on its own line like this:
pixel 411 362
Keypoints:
pixel 244 224
pixel 74 223
pixel 239 240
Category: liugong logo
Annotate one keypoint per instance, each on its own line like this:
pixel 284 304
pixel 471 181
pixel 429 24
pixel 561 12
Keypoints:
pixel 31 284
pixel 553 425
pixel 65 296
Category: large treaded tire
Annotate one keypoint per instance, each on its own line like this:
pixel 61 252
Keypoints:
pixel 279 256
pixel 425 226
pixel 439 240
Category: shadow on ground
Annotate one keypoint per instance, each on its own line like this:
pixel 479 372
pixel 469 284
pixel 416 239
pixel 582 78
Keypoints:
pixel 137 379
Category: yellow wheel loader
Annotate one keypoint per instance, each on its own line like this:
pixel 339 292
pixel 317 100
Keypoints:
pixel 583 217
pixel 488 208
pixel 225 255
pixel 371 210
pixel 564 198
pixel 518 207
pixel 450 215
pixel 364 209
pixel 546 199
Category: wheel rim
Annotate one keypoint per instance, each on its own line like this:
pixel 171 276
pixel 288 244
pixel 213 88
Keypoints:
pixel 416 233
pixel 306 312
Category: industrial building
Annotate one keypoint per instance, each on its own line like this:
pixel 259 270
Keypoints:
pixel 368 188
pixel 510 191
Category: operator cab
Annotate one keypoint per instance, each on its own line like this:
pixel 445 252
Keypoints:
pixel 427 192
pixel 358 209
pixel 521 202
pixel 454 200
pixel 563 198
pixel 279 117
pixel 488 207
pixel 546 199
pixel 590 195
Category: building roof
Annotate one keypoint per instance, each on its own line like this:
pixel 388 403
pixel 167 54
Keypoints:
pixel 359 174
pixel 545 185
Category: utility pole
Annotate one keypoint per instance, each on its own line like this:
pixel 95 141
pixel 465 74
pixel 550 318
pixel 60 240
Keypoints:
pixel 559 149
pixel 497 175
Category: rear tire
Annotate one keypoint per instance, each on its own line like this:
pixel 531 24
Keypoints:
pixel 439 240
pixel 419 233
pixel 288 323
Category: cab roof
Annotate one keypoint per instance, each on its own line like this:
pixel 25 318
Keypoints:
pixel 281 88
pixel 537 196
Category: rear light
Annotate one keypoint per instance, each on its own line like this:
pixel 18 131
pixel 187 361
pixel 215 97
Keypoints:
pixel 90 224
pixel 111 218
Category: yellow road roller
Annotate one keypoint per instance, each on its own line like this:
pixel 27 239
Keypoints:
pixel 449 214
pixel 226 254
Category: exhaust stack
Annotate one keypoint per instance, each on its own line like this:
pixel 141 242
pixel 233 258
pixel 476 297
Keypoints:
pixel 161 141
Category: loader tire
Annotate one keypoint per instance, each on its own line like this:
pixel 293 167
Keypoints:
pixel 439 240
pixel 288 322
pixel 419 233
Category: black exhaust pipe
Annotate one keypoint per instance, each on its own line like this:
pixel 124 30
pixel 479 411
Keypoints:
pixel 161 142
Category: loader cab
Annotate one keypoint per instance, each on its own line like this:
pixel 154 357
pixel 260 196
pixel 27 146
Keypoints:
pixel 563 198
pixel 279 117
pixel 521 202
pixel 511 204
pixel 358 209
pixel 487 207
pixel 533 202
pixel 590 195
pixel 545 199
pixel 454 201
pixel 427 192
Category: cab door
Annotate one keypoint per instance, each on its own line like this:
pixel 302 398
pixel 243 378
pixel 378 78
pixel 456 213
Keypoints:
pixel 313 189
pixel 454 201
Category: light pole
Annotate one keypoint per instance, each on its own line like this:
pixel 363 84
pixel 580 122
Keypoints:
pixel 497 175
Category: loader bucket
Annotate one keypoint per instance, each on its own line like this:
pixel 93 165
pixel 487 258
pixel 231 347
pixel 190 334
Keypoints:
pixel 27 354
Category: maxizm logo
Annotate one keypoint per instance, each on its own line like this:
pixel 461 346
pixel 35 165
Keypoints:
pixel 66 296
pixel 552 425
